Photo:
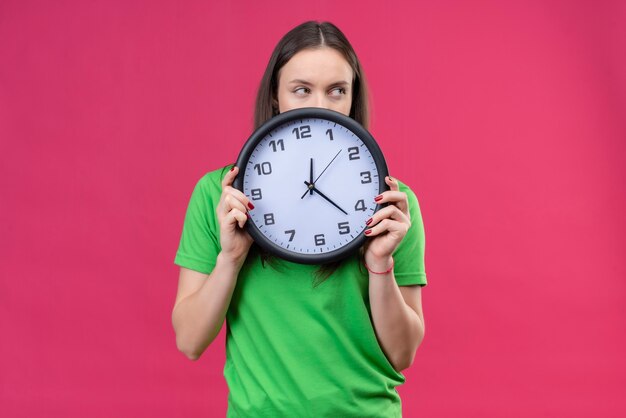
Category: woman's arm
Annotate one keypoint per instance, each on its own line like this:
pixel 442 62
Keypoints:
pixel 397 317
pixel 201 304
pixel 202 299
pixel 396 310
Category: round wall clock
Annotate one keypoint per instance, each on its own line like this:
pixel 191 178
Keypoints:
pixel 312 175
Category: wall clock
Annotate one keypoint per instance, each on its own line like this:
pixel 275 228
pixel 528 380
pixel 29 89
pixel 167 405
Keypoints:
pixel 312 175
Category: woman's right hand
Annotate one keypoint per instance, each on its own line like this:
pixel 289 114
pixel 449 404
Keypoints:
pixel 232 216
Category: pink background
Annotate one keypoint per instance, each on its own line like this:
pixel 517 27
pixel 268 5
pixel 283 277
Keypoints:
pixel 508 119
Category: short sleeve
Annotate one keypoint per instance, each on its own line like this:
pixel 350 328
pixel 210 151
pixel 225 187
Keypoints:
pixel 409 266
pixel 199 241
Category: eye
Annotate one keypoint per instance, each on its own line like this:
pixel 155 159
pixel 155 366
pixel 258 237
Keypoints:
pixel 301 91
pixel 337 92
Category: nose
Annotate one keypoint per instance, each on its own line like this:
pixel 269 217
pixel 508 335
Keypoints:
pixel 320 101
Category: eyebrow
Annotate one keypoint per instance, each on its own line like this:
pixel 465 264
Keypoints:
pixel 306 83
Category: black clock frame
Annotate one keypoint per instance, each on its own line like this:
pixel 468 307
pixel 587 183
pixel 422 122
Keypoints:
pixel 302 114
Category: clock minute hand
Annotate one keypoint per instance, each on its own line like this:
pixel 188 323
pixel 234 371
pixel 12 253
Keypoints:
pixel 323 196
pixel 311 176
pixel 310 183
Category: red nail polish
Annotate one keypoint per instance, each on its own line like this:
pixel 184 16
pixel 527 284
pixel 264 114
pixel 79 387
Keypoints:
pixel 369 221
pixel 378 198
pixel 233 167
pixel 368 231
pixel 250 205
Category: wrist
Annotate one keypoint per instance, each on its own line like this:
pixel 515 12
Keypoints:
pixel 231 262
pixel 379 266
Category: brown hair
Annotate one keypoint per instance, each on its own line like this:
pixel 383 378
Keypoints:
pixel 310 35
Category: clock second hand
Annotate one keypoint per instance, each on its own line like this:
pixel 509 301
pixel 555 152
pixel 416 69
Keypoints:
pixel 331 161
pixel 311 182
pixel 313 188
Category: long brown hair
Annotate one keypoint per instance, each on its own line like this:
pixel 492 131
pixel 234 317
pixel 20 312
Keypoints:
pixel 310 35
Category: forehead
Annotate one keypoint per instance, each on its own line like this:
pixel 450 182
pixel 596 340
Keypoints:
pixel 317 66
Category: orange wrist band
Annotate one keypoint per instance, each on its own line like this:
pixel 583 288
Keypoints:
pixel 381 272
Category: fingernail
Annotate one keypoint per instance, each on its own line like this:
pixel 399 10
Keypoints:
pixel 369 221
pixel 368 231
pixel 248 215
pixel 232 168
pixel 377 198
pixel 390 179
pixel 250 205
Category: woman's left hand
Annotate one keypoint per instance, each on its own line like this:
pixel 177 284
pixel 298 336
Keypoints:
pixel 387 227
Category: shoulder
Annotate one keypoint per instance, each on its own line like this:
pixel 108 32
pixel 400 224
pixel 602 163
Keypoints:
pixel 403 187
pixel 211 182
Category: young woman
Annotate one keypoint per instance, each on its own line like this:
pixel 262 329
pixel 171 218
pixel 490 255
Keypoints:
pixel 302 340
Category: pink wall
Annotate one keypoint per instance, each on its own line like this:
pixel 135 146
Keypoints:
pixel 507 119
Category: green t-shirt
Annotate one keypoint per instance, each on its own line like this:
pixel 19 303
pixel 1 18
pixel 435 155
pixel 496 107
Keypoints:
pixel 294 349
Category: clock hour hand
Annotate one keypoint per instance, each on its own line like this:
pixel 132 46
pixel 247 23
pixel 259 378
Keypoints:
pixel 313 188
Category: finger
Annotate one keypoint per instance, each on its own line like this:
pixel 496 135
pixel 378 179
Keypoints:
pixel 238 194
pixel 396 198
pixel 388 225
pixel 231 202
pixel 241 218
pixel 230 177
pixel 388 212
pixel 235 217
pixel 392 183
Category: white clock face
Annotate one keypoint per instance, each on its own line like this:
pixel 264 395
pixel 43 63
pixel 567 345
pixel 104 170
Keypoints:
pixel 307 214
